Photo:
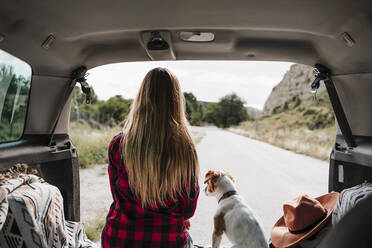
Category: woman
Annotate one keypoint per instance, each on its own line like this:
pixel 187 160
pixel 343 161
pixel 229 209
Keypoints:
pixel 153 169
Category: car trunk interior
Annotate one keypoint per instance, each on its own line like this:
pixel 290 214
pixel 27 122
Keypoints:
pixel 56 38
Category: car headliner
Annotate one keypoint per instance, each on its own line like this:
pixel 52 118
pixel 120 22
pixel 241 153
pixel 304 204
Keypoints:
pixel 94 33
pixel 98 32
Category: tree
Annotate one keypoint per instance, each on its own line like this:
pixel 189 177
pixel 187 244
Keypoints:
pixel 210 113
pixel 194 109
pixel 189 99
pixel 116 108
pixel 111 112
pixel 228 111
pixel 81 110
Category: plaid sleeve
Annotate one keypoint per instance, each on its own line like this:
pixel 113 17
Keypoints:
pixel 113 161
pixel 188 202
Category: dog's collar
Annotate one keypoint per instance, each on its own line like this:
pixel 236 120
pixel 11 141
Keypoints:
pixel 227 195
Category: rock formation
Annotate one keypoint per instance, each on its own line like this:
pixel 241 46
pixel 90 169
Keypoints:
pixel 296 82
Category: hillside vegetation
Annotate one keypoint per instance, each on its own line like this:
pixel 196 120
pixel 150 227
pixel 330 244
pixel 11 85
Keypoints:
pixel 303 126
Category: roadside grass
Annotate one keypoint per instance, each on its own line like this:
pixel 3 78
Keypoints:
pixel 314 143
pixel 92 140
pixel 94 227
pixel 303 127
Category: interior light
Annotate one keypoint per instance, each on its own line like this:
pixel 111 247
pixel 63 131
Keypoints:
pixel 197 36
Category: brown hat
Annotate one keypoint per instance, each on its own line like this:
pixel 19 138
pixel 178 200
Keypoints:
pixel 303 217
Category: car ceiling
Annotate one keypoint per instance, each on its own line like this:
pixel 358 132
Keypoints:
pixel 98 32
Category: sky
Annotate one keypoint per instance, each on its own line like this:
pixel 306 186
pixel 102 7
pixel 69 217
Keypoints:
pixel 207 80
pixel 20 67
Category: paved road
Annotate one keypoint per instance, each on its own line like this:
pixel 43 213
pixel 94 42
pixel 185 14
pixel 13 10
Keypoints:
pixel 266 176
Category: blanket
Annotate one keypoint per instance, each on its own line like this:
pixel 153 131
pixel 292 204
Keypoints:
pixel 349 198
pixel 31 215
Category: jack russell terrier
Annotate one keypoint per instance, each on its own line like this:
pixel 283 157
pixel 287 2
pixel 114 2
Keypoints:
pixel 233 216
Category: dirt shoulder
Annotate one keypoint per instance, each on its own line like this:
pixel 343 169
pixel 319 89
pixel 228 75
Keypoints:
pixel 95 194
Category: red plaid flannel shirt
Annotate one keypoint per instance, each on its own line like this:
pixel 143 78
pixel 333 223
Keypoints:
pixel 130 225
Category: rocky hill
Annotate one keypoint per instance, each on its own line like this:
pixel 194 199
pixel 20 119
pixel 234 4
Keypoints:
pixel 295 83
pixel 292 120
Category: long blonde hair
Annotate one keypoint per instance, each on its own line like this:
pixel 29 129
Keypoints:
pixel 158 149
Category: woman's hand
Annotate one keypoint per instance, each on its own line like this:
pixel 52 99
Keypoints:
pixel 187 224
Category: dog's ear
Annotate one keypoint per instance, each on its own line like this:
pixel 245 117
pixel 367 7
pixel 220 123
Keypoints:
pixel 211 175
pixel 229 176
pixel 208 175
pixel 211 178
